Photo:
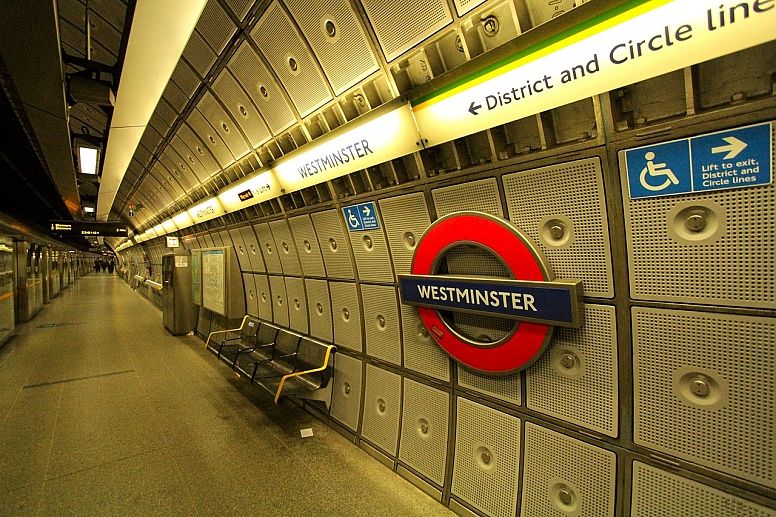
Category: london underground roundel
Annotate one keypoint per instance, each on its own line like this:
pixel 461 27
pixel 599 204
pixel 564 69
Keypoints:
pixel 531 297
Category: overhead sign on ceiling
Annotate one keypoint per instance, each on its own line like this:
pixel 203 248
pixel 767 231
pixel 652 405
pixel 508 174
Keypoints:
pixel 88 228
pixel 637 40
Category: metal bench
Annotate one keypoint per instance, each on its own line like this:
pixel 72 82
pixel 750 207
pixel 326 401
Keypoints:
pixel 229 347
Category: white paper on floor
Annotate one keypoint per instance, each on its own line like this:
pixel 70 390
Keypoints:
pixel 306 433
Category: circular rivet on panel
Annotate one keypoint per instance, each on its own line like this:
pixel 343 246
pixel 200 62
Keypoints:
pixel 423 427
pixel 381 406
pixel 241 248
pixel 212 140
pixel 567 361
pixel 250 293
pixel 409 240
pixel 297 304
pixel 346 388
pixel 700 388
pixel 225 127
pixel 695 223
pixel 191 159
pixel 307 246
pixel 319 308
pixel 367 242
pixel 243 111
pixel 280 300
pixel 564 496
pixel 345 314
pixel 490 25
pixel 292 64
pixel 269 248
pixel 556 231
pixel 331 29
pixel 458 43
pixel 264 297
pixel 285 247
pixel 485 458
pixel 263 91
pixel 380 322
pixel 333 244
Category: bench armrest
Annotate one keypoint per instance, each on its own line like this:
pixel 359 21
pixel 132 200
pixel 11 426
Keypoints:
pixel 224 331
pixel 329 348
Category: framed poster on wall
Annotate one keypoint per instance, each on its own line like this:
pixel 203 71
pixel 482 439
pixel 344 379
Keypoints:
pixel 213 280
pixel 196 276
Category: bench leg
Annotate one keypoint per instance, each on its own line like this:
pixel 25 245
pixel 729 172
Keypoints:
pixel 323 394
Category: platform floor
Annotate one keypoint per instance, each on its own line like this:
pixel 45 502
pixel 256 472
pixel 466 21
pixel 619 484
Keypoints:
pixel 103 412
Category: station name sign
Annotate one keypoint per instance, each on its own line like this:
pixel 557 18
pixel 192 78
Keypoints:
pixel 88 229
pixel 555 303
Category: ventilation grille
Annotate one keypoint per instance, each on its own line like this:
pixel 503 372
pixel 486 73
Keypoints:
pixel 268 248
pixel 199 54
pixel 252 249
pixel 555 463
pixel 346 316
pixel 382 409
pixel 241 108
pixel 400 26
pixel 464 6
pixel 307 245
pixel 279 300
pixel 251 295
pixel 346 396
pixel 224 125
pixel 286 248
pixel 576 378
pixel 297 305
pixel 187 160
pixel 264 300
pixel 481 196
pixel 252 74
pixel 166 113
pixel 349 40
pixel 239 248
pixel 381 321
pixel 487 459
pixel 406 219
pixel 333 245
pixel 421 353
pixel 199 123
pixel 185 78
pixel 729 427
pixel 320 309
pixel 657 493
pixel 215 26
pixel 371 252
pixel 175 97
pixel 280 43
pixel 424 430
pixel 503 387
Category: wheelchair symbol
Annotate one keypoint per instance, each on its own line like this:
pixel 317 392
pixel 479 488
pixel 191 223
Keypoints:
pixel 353 220
pixel 656 169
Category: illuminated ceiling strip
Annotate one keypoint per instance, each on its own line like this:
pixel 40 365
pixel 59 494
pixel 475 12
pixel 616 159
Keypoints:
pixel 545 47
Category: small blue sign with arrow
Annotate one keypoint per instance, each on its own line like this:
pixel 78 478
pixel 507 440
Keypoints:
pixel 361 217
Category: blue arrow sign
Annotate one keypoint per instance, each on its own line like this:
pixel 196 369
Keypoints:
pixel 361 217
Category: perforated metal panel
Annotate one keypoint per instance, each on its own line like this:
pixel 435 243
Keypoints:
pixel 224 125
pixel 241 109
pixel 423 444
pixel 258 82
pixel 277 285
pixel 346 315
pixel 712 377
pixel 481 196
pixel 371 252
pixel 251 295
pixel 268 248
pixel 289 259
pixel 205 131
pixel 252 249
pixel 400 26
pixel 216 239
pixel 175 97
pixel 503 387
pixel 203 164
pixel 185 78
pixel 264 297
pixel 289 57
pixel 723 264
pixel 381 322
pixel 576 378
pixel 239 248
pixel 464 6
pixel 187 159
pixel 657 493
pixel 307 244
pixel 348 39
pixel 199 54
pixel 487 458
pixel 319 305
pixel 215 26
pixel 203 322
pixel 239 7
pixel 171 160
pixel 382 409
pixel 569 196
pixel 333 245
pixel 564 477
pixel 346 392
pixel 406 219
pixel 297 305
pixel 421 353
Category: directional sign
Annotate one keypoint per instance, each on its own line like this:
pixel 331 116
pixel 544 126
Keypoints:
pixel 89 228
pixel 734 158
pixel 361 217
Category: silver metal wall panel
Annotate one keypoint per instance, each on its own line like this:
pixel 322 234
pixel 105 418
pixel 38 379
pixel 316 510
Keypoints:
pixel 185 177
pixel 406 218
pixel 268 248
pixel 316 19
pixel 216 239
pixel 464 6
pixel 423 444
pixel 277 285
pixel 381 322
pixel 400 26
pixel 211 137
pixel 563 476
pixel 486 469
pixel 319 304
pixel 502 387
pixel 382 409
pixel 239 248
pixel 264 297
pixel 724 263
pixel 711 376
pixel 224 125
pixel 576 378
pixel 569 196
pixel 165 112
pixel 215 26
pixel 185 78
pixel 196 145
pixel 252 249
pixel 199 54
pixel 240 7
pixel 203 322
pixel 189 161
pixel 421 353
pixel 241 109
pixel 225 238
pixel 251 295
pixel 346 392
pixel 175 97
pixel 259 83
pixel 481 196
pixel 333 245
pixel 289 259
pixel 657 492
pixel 287 53
pixel 346 315
pixel 370 250
pixel 297 305
pixel 307 245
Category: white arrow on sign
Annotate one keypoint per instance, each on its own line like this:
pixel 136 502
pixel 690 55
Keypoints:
pixel 366 210
pixel 734 147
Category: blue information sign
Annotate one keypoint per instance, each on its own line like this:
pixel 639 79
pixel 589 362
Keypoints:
pixel 361 217
pixel 727 159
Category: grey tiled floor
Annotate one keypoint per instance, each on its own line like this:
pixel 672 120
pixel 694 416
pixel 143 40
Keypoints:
pixel 109 414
